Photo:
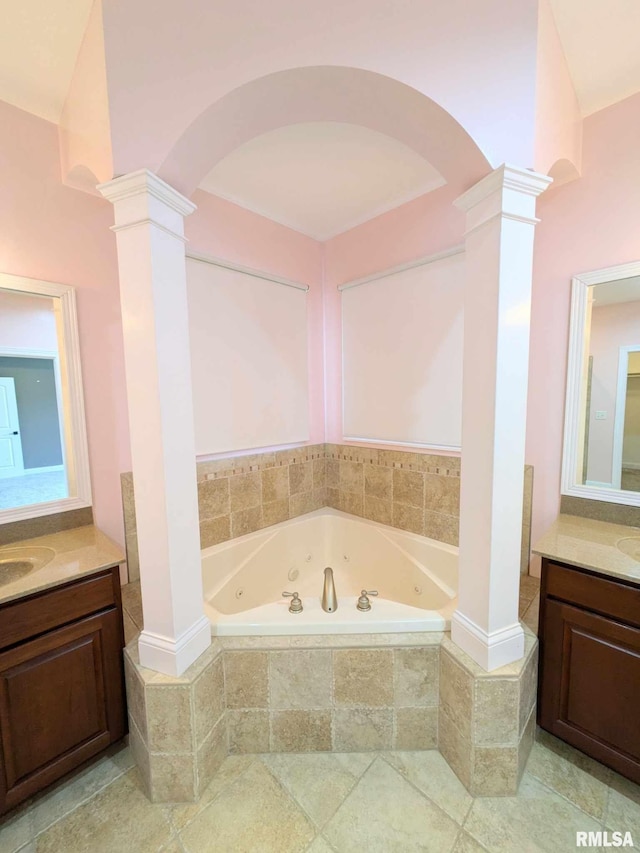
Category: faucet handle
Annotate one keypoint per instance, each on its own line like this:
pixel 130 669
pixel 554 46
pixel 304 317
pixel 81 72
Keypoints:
pixel 296 603
pixel 363 602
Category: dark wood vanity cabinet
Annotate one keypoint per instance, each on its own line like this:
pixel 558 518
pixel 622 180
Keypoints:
pixel 62 697
pixel 589 678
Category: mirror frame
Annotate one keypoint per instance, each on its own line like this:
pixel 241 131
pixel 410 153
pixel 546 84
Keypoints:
pixel 72 416
pixel 574 402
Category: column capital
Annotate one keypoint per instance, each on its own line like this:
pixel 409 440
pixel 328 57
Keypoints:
pixel 142 197
pixel 508 191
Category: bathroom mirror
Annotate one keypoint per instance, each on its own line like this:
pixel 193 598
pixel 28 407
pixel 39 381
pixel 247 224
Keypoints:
pixel 44 466
pixel 601 458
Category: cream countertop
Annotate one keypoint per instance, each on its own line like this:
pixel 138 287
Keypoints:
pixel 78 552
pixel 590 544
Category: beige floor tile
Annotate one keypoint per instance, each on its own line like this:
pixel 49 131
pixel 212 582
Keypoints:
pixel 174 846
pixel 118 818
pixel 319 783
pixel 254 813
pixel 565 778
pixel 466 844
pixel 232 767
pixel 319 845
pixel 385 814
pixel 64 797
pixel 623 813
pixel 16 830
pixel 429 772
pixel 537 820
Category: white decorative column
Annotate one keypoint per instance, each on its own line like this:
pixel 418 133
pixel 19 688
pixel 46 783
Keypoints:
pixel 149 227
pixel 499 254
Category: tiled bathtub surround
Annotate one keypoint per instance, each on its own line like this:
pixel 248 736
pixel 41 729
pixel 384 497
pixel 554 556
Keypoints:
pixel 487 720
pixel 325 694
pixel 412 491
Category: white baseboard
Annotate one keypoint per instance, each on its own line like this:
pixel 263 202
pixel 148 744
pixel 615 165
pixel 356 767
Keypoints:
pixel 47 469
pixel 490 651
pixel 173 657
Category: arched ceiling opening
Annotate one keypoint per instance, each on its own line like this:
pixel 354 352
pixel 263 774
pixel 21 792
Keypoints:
pixel 325 94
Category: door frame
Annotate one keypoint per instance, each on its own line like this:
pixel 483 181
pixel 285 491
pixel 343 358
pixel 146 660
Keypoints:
pixel 621 405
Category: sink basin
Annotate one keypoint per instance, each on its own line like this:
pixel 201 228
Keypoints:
pixel 630 546
pixel 15 563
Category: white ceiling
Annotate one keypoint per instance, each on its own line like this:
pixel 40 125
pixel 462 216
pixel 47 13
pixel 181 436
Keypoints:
pixel 601 41
pixel 39 44
pixel 322 178
pixel 612 292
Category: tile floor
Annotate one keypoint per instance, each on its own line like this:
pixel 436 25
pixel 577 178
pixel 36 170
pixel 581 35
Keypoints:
pixel 393 802
pixel 319 803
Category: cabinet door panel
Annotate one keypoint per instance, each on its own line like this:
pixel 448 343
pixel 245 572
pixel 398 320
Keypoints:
pixel 590 691
pixel 57 695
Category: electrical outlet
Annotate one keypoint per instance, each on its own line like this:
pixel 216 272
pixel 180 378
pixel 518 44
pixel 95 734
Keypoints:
pixel 601 416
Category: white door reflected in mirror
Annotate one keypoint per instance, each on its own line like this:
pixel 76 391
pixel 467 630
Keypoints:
pixel 602 423
pixel 43 454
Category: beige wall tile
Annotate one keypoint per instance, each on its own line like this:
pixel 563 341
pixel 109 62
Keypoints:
pixel 210 755
pixel 300 504
pixel 456 692
pixel 319 498
pixel 528 689
pixel 319 473
pixel 378 510
pixel 355 453
pixel 246 521
pixel 409 518
pixel 300 478
pixel 444 528
pixel 494 772
pixel 301 731
pixel 275 512
pixel 140 755
pixel 378 482
pixel 275 484
pixel 208 699
pixel 351 476
pixel 442 494
pixel 245 491
pixel 213 498
pixel 408 487
pixel 173 778
pixel 168 718
pixel 333 473
pixel 215 530
pixel 455 748
pixel 135 696
pixel 495 712
pixel 400 459
pixel 300 679
pixel 416 676
pixel 334 498
pixel 246 679
pixel 526 743
pixel 416 728
pixel 362 729
pixel 363 677
pixel 352 502
pixel 248 731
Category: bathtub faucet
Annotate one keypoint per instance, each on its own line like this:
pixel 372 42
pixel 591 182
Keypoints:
pixel 329 598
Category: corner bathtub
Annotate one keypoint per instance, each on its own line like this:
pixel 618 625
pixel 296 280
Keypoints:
pixel 244 578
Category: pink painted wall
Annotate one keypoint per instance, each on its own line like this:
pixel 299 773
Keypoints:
pixel 27 322
pixel 50 232
pixel 612 327
pixel 558 146
pixel 167 62
pixel 415 230
pixel 586 225
pixel 226 231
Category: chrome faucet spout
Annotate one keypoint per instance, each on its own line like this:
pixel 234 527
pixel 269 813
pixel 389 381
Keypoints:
pixel 329 597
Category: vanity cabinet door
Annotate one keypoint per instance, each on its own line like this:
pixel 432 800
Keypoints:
pixel 590 685
pixel 61 702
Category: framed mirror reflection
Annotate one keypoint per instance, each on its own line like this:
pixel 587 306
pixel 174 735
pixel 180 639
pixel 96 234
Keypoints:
pixel 601 458
pixel 43 447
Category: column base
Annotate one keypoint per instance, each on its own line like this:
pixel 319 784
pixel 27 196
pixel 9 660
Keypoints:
pixel 173 657
pixel 490 651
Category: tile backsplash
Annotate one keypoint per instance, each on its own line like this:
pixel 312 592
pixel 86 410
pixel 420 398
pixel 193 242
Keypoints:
pixel 417 492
